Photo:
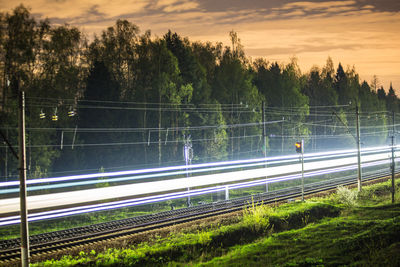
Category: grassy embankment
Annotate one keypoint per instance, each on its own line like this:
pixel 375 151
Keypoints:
pixel 343 229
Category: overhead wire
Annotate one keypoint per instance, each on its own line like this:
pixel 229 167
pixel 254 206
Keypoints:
pixel 133 102
pixel 232 108
pixel 163 129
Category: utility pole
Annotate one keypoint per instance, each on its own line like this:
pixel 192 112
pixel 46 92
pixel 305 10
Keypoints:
pixel 264 131
pixel 314 133
pixel 302 170
pixel 188 154
pixel 6 159
pixel 282 138
pixel 393 161
pixel 358 143
pixel 264 134
pixel 22 186
pixel 358 149
pixel 159 133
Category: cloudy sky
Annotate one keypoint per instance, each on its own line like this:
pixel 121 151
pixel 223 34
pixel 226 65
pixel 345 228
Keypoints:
pixel 363 33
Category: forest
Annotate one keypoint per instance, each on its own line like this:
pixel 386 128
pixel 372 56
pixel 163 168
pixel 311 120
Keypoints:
pixel 128 99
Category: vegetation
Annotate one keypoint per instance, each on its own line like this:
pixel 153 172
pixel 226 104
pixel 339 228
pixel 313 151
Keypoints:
pixel 321 231
pixel 346 196
pixel 137 97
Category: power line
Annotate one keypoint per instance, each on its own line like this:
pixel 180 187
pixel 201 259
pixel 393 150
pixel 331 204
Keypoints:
pixel 57 100
pixel 194 109
pixel 183 128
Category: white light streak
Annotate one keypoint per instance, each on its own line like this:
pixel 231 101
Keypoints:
pixel 279 169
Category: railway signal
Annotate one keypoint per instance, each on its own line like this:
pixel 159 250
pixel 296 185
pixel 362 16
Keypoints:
pixel 299 147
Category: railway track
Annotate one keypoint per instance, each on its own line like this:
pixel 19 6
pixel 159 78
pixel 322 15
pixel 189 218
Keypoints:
pixel 53 241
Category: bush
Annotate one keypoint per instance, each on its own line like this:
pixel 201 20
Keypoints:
pixel 346 196
pixel 257 217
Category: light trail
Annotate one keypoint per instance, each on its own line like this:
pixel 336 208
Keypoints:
pixel 139 177
pixel 163 172
pixel 134 172
pixel 159 198
pixel 279 169
pixel 268 160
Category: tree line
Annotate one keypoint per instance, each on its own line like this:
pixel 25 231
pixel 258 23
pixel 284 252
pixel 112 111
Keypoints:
pixel 137 99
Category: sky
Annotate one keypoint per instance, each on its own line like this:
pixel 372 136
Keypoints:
pixel 360 33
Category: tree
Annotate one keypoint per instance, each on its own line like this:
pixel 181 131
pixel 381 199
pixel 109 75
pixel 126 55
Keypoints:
pixel 381 93
pixel 346 85
pixel 100 87
pixel 116 48
pixel 191 71
pixel 282 88
pixel 214 146
pixel 392 102
pixel 158 83
pixel 327 94
pixel 161 89
pixel 19 47
pixel 341 85
pixel 27 65
pixel 374 83
pixel 64 71
pixel 319 89
pixel 233 85
pixel 374 115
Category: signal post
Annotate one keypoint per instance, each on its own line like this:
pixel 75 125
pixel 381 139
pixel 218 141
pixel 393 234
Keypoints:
pixel 300 149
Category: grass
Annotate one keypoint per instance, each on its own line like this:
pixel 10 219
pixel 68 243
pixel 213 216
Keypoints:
pixel 358 240
pixel 257 221
pixel 320 232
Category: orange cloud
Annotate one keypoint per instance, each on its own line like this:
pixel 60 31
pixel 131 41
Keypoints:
pixel 311 6
pixel 67 9
pixel 181 7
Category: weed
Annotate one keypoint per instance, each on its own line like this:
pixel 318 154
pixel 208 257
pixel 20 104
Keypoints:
pixel 204 237
pixel 306 219
pixel 257 216
pixel 346 196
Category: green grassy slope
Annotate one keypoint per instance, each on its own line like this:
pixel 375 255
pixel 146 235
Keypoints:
pixel 343 229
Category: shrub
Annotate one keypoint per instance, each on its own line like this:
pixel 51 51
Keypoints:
pixel 346 196
pixel 257 217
